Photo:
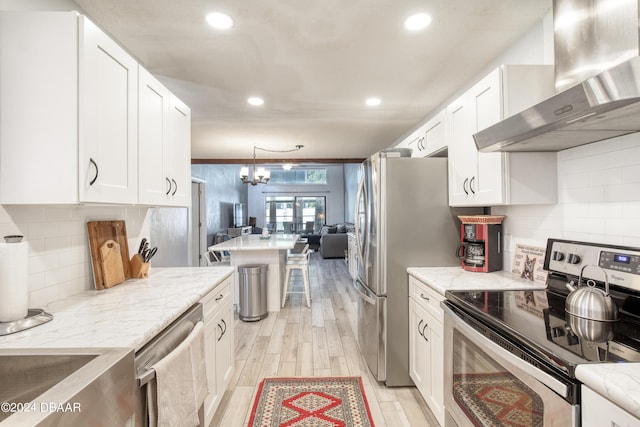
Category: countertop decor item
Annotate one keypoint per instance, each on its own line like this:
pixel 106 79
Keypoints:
pixel 14 268
pixel 481 219
pixel 100 232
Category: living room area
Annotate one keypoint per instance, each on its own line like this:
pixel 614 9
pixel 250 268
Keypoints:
pixel 316 201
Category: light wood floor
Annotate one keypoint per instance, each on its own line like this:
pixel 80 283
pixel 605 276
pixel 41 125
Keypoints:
pixel 320 341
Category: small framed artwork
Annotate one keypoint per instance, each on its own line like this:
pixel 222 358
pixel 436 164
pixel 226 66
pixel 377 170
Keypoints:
pixel 528 263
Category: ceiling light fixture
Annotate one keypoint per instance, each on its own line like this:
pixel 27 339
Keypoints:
pixel 417 22
pixel 256 101
pixel 260 175
pixel 373 102
pixel 219 20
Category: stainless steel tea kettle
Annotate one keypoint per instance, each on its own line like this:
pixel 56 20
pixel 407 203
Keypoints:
pixel 589 302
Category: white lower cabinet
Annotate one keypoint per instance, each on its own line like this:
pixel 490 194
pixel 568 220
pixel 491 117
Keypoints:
pixel 218 331
pixel 598 411
pixel 426 358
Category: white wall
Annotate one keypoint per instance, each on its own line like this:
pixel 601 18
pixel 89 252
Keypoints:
pixel 59 256
pixel 598 199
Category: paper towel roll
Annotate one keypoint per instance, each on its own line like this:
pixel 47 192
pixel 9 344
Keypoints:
pixel 14 292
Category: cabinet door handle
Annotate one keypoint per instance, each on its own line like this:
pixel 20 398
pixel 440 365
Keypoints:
pixel 168 182
pixel 221 332
pixel 464 186
pixel 420 323
pixel 176 187
pixel 219 297
pixel 471 185
pixel 423 334
pixel 91 161
pixel 225 326
pixel 424 297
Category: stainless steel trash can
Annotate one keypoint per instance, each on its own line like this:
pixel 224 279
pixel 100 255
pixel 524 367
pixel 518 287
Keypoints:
pixel 253 292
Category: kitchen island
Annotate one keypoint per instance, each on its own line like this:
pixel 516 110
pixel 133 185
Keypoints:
pixel 253 249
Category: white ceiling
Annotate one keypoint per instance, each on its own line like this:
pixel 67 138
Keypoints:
pixel 314 62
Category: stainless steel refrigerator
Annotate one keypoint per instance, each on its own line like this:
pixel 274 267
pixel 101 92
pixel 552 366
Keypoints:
pixel 402 220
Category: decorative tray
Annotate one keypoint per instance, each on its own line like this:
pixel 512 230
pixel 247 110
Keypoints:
pixel 481 219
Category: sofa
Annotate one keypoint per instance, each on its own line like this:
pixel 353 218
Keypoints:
pixel 334 240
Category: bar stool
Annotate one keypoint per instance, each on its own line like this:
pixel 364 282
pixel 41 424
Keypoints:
pixel 297 261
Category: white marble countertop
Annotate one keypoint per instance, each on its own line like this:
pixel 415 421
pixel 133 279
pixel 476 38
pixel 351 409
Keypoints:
pixel 126 315
pixel 253 242
pixel 618 382
pixel 443 279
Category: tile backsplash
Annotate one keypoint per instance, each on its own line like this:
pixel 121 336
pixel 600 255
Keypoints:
pixel 59 255
pixel 598 199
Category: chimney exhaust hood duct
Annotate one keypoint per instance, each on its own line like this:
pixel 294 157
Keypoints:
pixel 597 56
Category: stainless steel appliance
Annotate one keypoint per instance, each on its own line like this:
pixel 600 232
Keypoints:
pixel 525 343
pixel 597 58
pixel 154 351
pixel 402 219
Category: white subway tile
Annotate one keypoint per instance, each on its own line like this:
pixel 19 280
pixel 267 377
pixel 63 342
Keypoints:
pixel 622 193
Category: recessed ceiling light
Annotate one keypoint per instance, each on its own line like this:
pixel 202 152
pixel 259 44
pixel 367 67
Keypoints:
pixel 220 20
pixel 254 100
pixel 373 102
pixel 417 22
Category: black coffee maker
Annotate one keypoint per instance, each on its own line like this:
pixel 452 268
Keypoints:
pixel 481 246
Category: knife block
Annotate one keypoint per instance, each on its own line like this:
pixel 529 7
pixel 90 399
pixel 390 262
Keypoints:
pixel 139 268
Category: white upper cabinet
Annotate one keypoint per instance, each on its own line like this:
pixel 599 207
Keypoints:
pixel 108 108
pixel 68 106
pixel 164 145
pixel 428 139
pixel 486 179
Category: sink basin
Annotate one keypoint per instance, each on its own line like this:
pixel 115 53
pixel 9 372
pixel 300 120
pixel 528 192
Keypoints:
pixel 70 387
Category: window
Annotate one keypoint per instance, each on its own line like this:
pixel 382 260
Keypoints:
pixel 299 176
pixel 288 214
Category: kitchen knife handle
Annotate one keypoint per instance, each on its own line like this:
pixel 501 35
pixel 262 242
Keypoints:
pixel 91 161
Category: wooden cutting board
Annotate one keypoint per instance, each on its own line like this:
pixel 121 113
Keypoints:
pixel 99 233
pixel 111 262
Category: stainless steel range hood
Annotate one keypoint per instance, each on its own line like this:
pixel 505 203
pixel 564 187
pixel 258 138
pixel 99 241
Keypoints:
pixel 602 101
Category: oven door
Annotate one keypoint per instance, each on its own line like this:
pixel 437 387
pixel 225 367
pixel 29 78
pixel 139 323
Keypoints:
pixel 486 385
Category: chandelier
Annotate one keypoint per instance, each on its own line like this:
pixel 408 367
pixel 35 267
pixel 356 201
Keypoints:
pixel 260 175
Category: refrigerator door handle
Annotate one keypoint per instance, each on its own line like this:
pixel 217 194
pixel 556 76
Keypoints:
pixel 364 293
pixel 358 232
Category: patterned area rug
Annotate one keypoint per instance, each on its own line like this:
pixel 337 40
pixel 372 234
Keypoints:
pixel 497 399
pixel 306 402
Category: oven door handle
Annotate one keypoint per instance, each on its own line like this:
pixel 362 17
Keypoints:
pixel 485 343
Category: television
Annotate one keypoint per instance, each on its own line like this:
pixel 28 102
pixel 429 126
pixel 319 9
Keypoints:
pixel 240 215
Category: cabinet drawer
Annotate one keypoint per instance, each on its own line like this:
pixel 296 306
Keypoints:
pixel 216 299
pixel 426 297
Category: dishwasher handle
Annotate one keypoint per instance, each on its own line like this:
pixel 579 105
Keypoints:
pixel 164 343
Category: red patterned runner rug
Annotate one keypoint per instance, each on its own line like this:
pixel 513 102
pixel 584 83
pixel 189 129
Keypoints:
pixel 317 402
pixel 497 399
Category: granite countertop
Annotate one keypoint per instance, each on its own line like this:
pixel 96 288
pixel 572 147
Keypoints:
pixel 126 315
pixel 253 242
pixel 618 382
pixel 443 279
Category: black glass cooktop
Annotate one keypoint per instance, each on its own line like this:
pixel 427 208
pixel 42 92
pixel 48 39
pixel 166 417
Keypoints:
pixel 536 322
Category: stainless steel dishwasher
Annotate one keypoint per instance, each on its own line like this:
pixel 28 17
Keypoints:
pixel 154 351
